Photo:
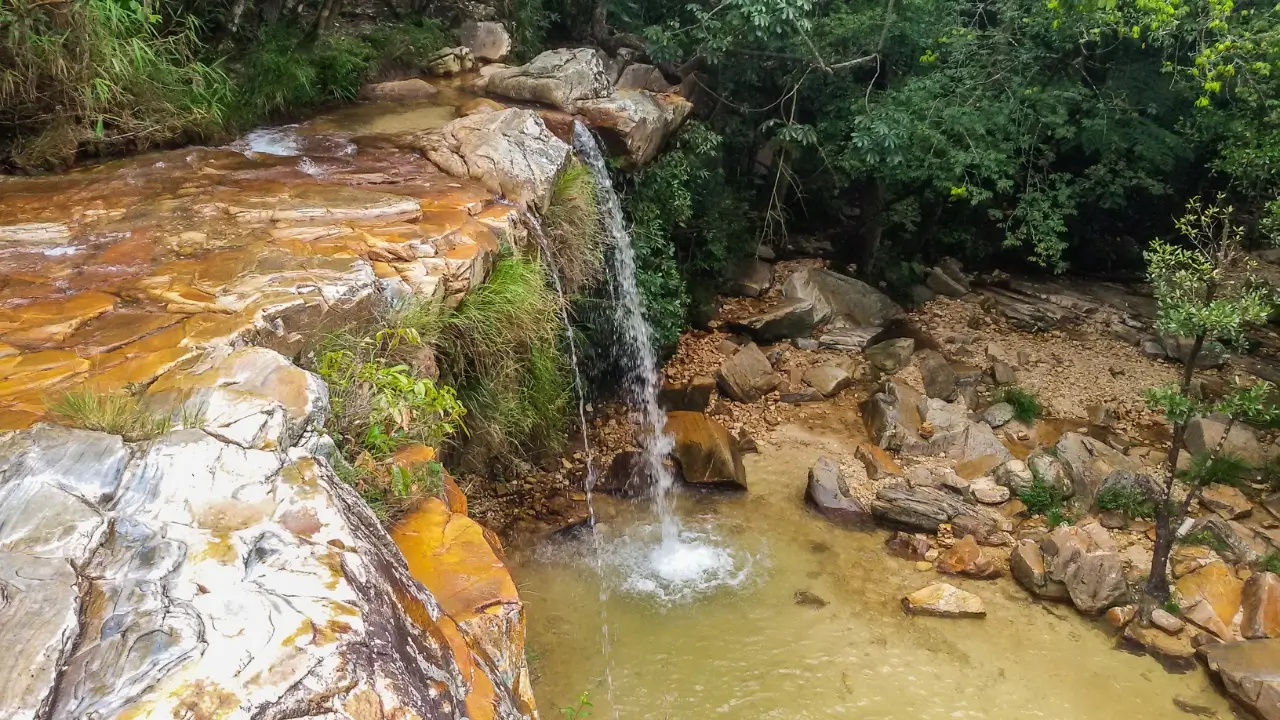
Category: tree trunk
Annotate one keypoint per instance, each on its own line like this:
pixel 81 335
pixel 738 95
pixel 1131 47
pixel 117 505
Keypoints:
pixel 1156 591
pixel 872 226
pixel 599 29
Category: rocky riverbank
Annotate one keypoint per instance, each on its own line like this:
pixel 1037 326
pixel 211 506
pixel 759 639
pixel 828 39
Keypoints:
pixel 934 456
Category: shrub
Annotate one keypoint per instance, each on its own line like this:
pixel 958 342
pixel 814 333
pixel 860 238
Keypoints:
pixel 101 75
pixel 121 415
pixel 1271 563
pixel 1026 406
pixel 1128 500
pixel 1222 468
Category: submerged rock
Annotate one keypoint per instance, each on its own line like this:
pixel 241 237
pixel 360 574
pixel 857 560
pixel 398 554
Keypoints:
pixel 1248 672
pixel 967 559
pixel 907 546
pixel 828 492
pixel 707 454
pixel 943 600
pixel 399 90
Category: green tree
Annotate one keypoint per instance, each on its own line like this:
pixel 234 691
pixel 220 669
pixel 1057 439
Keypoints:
pixel 1207 292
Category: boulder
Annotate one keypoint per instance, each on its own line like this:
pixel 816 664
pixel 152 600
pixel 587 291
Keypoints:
pixel 1225 500
pixel 998 414
pixel 1178 349
pixel 879 464
pixel 943 600
pixel 967 559
pixel 1015 475
pixel 940 282
pixel 192 576
pixel 693 396
pixel 907 546
pixel 705 451
pixel 891 356
pixel 939 377
pixel 790 319
pixel 747 376
pixel 509 152
pixel 1002 373
pixel 1220 590
pixel 1026 563
pixel 639 76
pixel 451 61
pixel 1261 604
pixel 1229 543
pixel 986 491
pixel 847 339
pixel 836 294
pixel 892 415
pixel 1248 672
pixel 1205 433
pixel 827 379
pixel 634 123
pixel 1096 582
pixel 922 508
pixel 828 492
pixel 1088 462
pixel 628 477
pixel 489 41
pixel 1051 472
pixel 562 78
pixel 399 90
pixel 751 278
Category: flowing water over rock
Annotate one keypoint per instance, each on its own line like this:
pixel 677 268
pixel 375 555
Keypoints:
pixel 674 564
pixel 765 648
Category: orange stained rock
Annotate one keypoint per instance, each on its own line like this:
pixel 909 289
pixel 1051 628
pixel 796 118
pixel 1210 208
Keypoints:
pixel 457 502
pixel 481 697
pixel 51 320
pixel 139 369
pixel 1217 585
pixel 448 553
pixel 116 329
pixel 14 365
pixel 41 379
pixel 14 419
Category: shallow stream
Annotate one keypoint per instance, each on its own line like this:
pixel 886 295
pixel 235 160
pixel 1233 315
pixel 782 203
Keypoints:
pixel 732 642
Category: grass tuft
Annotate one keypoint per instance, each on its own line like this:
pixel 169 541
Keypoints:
pixel 501 348
pixel 121 415
pixel 572 226
pixel 1128 500
pixel 1026 406
pixel 1271 563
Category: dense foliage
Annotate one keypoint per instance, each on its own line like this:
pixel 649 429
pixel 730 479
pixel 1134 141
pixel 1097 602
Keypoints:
pixel 1054 133
pixel 104 76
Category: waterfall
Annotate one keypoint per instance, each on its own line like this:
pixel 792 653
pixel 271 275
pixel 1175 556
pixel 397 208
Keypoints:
pixel 640 364
pixel 588 456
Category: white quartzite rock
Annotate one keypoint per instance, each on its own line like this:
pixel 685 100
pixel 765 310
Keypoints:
pixel 196 573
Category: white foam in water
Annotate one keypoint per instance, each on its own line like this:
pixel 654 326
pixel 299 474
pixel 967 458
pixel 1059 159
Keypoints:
pixel 675 571
pixel 281 141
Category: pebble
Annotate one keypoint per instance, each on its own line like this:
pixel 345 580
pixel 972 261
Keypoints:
pixel 932 555
pixel 924 565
